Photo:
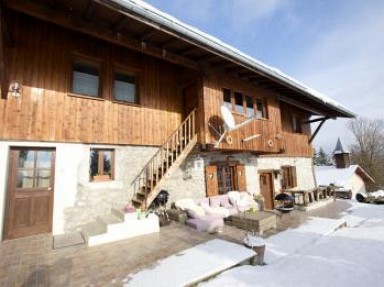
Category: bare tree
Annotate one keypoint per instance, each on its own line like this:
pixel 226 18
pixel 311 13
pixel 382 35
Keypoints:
pixel 368 151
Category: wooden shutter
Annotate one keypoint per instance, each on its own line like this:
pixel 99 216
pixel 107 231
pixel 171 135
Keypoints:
pixel 240 178
pixel 211 180
pixel 293 176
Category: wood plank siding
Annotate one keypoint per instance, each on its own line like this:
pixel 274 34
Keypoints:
pixel 41 61
pixel 270 140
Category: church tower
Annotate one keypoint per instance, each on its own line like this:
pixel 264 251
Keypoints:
pixel 341 155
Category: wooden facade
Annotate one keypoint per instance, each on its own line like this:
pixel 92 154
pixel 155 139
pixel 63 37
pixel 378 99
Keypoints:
pixel 47 110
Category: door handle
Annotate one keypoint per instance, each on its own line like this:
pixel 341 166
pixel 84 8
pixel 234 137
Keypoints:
pixel 49 188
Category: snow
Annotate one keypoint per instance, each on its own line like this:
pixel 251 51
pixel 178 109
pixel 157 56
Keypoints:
pixel 192 265
pixel 350 256
pixel 326 175
pixel 377 193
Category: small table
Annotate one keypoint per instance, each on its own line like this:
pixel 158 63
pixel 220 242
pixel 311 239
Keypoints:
pixel 258 221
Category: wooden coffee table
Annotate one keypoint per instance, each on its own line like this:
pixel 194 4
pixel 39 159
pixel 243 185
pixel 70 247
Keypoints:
pixel 257 221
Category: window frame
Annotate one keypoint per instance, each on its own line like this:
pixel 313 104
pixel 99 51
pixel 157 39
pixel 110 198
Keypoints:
pixel 289 176
pixel 119 69
pixel 244 112
pixel 296 124
pixel 100 175
pixel 87 61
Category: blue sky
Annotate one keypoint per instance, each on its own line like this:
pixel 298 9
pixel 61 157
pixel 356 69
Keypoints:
pixel 336 47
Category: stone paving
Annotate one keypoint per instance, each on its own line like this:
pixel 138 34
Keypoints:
pixel 31 261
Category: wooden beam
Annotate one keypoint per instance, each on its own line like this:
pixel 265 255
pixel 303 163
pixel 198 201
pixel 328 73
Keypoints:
pixel 315 120
pixel 89 11
pixel 297 104
pixel 147 35
pixel 317 130
pixel 3 71
pixel 120 24
pixel 76 23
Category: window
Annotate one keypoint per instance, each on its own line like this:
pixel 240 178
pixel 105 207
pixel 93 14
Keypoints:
pixel 250 107
pixel 226 178
pixel 288 177
pixel 245 104
pixel 227 98
pixel 261 110
pixel 296 125
pixel 124 88
pixel 86 79
pixel 239 103
pixel 101 164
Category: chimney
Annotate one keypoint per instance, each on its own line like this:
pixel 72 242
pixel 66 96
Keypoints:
pixel 341 155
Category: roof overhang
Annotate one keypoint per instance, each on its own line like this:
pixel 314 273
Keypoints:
pixel 141 27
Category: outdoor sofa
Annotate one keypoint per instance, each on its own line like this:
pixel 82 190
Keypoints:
pixel 208 214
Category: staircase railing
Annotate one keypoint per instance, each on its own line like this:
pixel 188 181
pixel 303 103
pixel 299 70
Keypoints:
pixel 157 166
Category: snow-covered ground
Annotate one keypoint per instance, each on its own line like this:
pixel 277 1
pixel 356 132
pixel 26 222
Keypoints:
pixel 350 256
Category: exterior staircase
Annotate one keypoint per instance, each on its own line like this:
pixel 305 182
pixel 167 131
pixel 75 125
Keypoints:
pixel 118 225
pixel 167 159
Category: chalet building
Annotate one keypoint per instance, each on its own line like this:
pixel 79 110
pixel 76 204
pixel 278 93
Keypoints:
pixel 105 103
pixel 348 179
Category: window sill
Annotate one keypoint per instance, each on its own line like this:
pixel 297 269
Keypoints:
pixel 85 97
pixel 103 178
pixel 125 103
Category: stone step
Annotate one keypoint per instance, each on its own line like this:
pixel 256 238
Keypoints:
pixel 118 226
pixel 93 229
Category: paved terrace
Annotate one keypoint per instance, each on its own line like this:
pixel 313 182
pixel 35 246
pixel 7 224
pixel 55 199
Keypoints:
pixel 31 261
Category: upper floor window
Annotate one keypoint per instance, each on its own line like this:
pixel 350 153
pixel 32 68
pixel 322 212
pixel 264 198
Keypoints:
pixel 227 98
pixel 245 104
pixel 125 87
pixel 261 112
pixel 296 125
pixel 101 164
pixel 250 106
pixel 239 107
pixel 86 79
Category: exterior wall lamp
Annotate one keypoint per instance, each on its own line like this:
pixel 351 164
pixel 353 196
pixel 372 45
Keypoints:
pixel 276 173
pixel 15 89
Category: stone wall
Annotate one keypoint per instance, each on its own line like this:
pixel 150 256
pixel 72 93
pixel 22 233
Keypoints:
pixel 189 179
pixel 78 200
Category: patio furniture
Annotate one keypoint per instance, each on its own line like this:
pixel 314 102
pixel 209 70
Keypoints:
pixel 177 215
pixel 258 221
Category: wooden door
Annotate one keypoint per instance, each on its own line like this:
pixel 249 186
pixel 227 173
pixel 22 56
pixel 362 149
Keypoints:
pixel 30 192
pixel 266 188
pixel 240 177
pixel 190 99
pixel 211 180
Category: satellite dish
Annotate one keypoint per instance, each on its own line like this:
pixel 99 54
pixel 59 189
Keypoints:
pixel 227 117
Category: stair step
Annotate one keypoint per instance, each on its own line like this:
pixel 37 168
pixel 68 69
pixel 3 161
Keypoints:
pixel 93 228
pixel 109 219
pixel 118 213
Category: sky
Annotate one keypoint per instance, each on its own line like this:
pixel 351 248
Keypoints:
pixel 333 46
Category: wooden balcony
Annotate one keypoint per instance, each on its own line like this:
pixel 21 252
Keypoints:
pixel 297 144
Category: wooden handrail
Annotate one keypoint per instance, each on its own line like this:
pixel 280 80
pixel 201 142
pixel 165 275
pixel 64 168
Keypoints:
pixel 166 155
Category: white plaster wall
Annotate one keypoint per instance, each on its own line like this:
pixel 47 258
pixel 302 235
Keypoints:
pixel 356 184
pixel 4 155
pixel 76 199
